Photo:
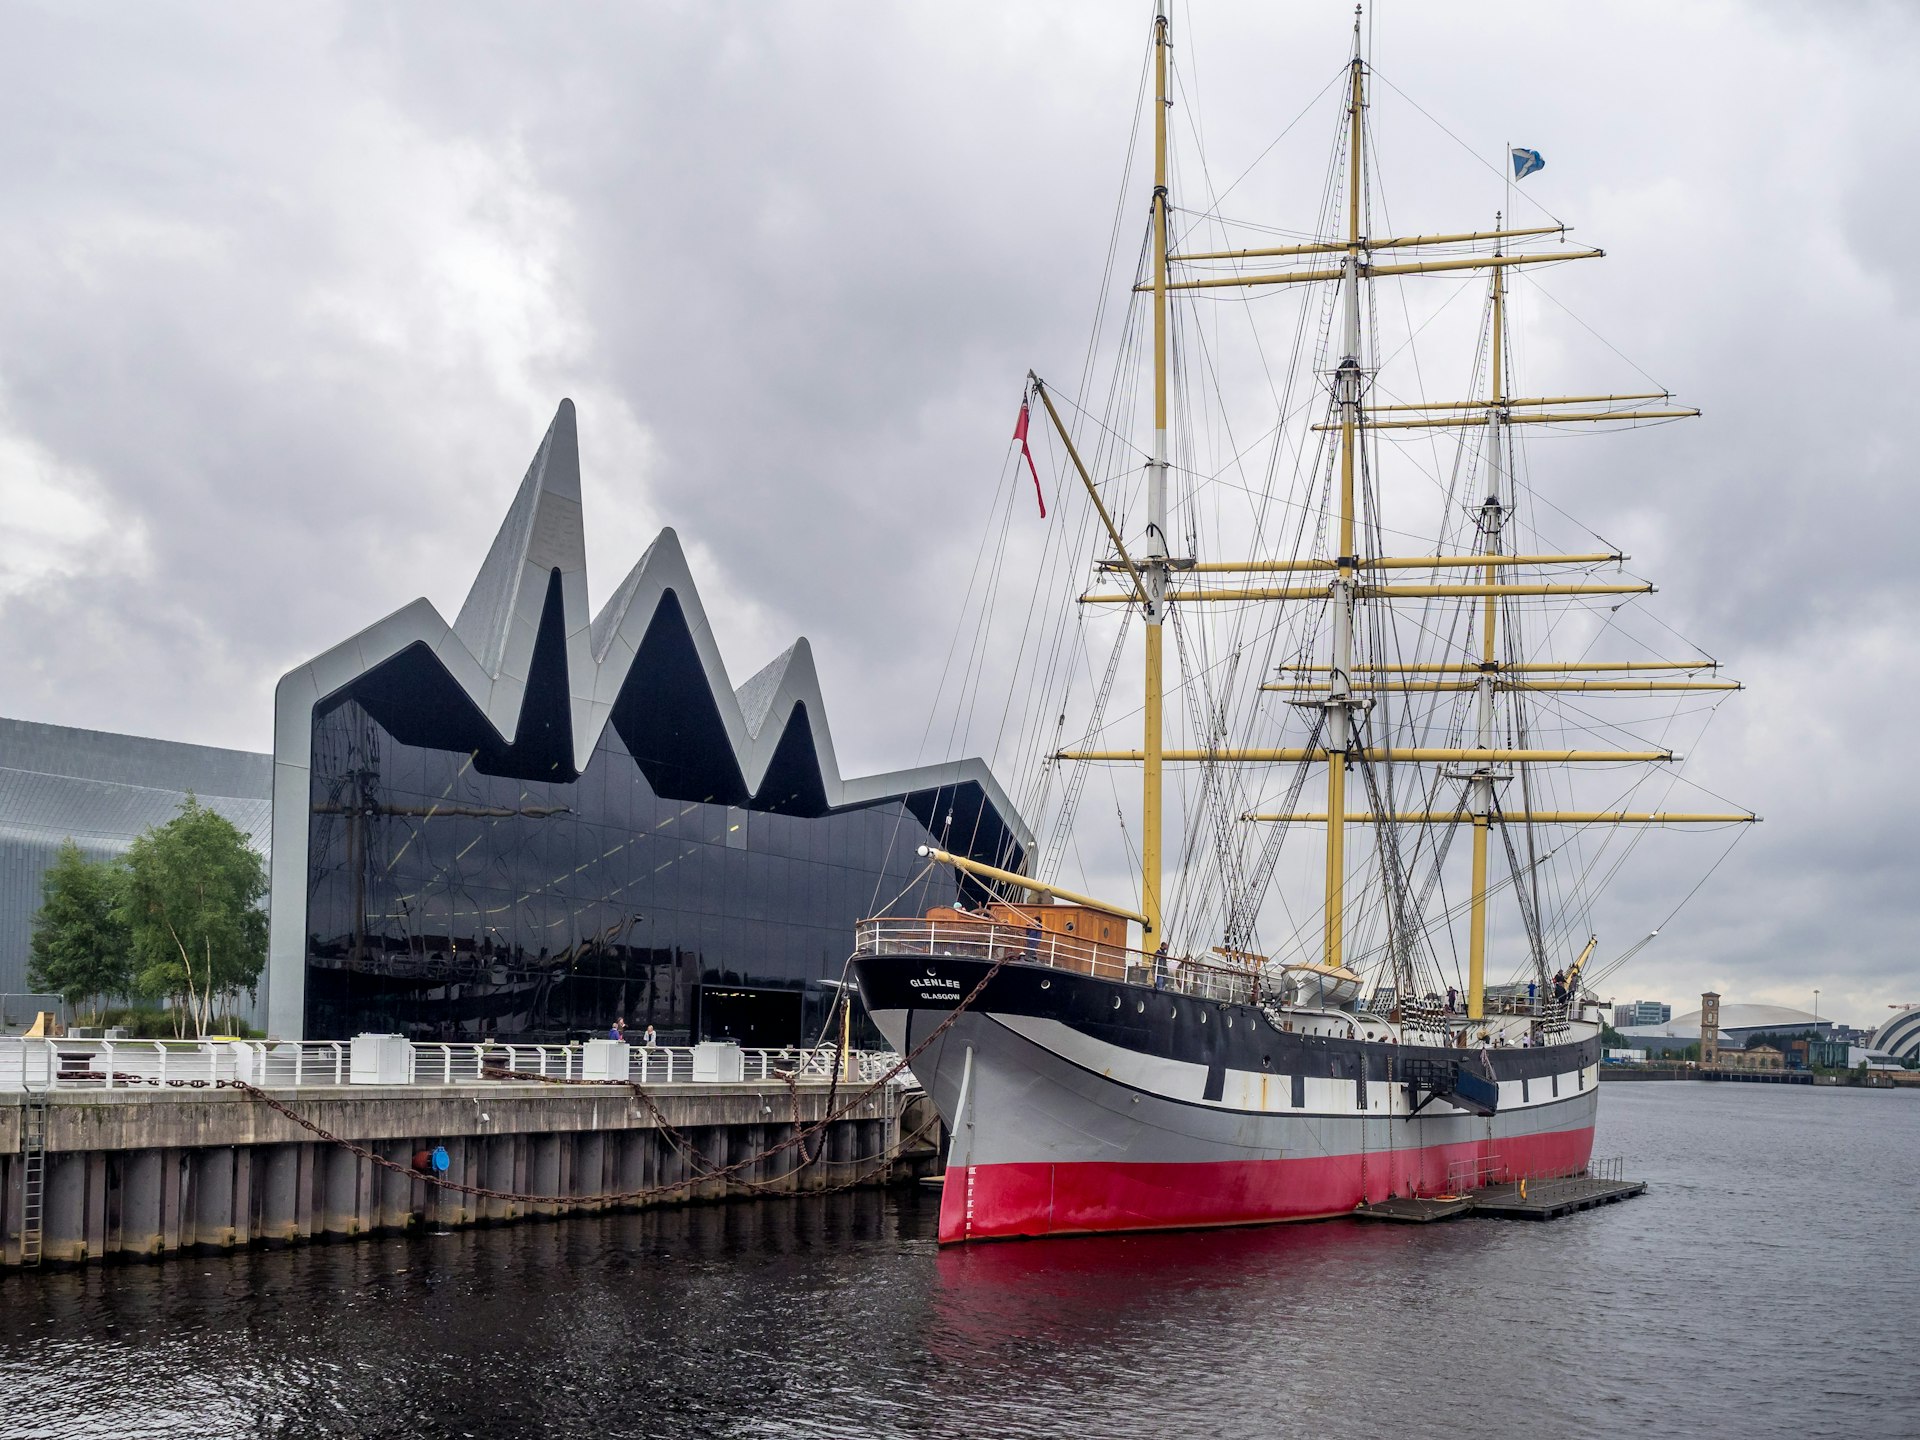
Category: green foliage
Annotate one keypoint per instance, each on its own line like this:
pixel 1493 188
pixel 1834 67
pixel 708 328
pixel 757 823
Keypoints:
pixel 150 1022
pixel 193 895
pixel 1612 1039
pixel 80 947
pixel 142 1022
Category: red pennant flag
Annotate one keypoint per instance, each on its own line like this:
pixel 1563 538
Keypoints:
pixel 1020 434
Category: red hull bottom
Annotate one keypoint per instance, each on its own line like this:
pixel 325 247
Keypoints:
pixel 997 1202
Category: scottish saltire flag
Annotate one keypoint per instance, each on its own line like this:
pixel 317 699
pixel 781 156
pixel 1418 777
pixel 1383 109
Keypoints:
pixel 1525 162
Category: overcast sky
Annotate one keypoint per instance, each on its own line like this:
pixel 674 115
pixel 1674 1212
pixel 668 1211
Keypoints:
pixel 291 293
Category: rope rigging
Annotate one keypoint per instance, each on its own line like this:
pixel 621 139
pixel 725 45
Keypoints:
pixel 1271 507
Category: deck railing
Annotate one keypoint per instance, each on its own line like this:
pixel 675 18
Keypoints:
pixel 174 1065
pixel 982 940
pixel 1479 1171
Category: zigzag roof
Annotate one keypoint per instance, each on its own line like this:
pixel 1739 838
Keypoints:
pixel 524 632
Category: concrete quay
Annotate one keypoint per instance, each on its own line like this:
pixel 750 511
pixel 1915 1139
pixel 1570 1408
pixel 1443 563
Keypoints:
pixel 132 1173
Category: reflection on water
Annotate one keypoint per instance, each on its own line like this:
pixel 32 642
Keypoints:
pixel 1764 1280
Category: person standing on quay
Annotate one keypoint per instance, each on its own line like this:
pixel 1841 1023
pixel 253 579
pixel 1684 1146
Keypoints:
pixel 619 1031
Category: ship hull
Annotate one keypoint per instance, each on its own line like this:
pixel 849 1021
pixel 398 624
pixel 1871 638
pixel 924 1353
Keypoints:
pixel 1077 1105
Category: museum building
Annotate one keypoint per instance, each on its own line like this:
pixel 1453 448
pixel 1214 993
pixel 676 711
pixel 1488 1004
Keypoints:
pixel 528 821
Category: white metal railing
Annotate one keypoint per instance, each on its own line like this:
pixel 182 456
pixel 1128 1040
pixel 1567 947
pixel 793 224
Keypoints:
pixel 1543 1182
pixel 866 1066
pixel 291 1064
pixel 965 939
pixel 113 1064
pixel 170 1065
pixel 661 1064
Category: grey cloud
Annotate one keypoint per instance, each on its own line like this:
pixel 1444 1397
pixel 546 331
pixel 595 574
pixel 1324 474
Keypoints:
pixel 296 292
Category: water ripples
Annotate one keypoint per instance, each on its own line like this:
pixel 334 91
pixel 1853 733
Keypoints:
pixel 1763 1280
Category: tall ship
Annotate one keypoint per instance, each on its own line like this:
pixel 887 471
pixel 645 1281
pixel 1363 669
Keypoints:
pixel 1323 1001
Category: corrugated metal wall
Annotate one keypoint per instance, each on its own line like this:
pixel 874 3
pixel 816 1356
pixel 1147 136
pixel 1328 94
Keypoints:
pixel 101 790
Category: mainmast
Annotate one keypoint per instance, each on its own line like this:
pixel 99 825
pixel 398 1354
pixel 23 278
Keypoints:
pixel 1339 703
pixel 1480 791
pixel 1153 561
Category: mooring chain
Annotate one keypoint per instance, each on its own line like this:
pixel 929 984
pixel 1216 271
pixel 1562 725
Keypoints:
pixel 799 1137
pixel 486 1192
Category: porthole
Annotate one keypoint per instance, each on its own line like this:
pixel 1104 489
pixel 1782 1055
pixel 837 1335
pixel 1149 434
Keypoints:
pixel 1174 1013
pixel 1229 1022
pixel 1116 1002
pixel 1203 1017
pixel 1046 984
pixel 1139 1007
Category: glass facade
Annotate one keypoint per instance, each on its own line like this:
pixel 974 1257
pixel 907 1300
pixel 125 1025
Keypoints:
pixel 446 903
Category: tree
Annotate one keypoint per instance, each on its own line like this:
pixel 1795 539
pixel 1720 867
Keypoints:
pixel 193 895
pixel 80 947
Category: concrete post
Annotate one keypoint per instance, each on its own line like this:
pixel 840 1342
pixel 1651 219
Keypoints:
pixel 278 1172
pixel 590 1175
pixel 340 1189
pixel 10 1184
pixel 176 1187
pixel 64 1220
pixel 213 1196
pixel 543 1176
pixel 306 1166
pixel 144 1175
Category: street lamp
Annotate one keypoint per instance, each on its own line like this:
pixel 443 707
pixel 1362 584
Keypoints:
pixel 1816 1004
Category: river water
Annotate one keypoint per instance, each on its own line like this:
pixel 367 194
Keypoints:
pixel 1765 1286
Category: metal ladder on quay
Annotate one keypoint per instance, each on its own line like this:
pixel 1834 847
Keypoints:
pixel 33 1174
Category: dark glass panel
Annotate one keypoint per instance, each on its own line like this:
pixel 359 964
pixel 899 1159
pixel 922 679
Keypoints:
pixel 447 902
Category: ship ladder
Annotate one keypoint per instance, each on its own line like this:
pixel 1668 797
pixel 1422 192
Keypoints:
pixel 1360 1094
pixel 33 1175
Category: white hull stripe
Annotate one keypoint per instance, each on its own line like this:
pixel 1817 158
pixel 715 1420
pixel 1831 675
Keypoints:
pixel 1252 1091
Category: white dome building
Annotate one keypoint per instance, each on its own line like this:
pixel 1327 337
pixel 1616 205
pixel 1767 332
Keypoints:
pixel 1900 1036
pixel 1738 1023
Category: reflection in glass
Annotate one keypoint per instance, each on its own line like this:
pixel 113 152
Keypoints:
pixel 449 904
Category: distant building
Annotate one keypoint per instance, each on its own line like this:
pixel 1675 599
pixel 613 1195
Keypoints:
pixel 1760 1057
pixel 1641 1012
pixel 1900 1036
pixel 1737 1025
pixel 1835 1054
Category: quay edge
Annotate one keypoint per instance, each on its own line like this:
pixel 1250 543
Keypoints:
pixel 145 1175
